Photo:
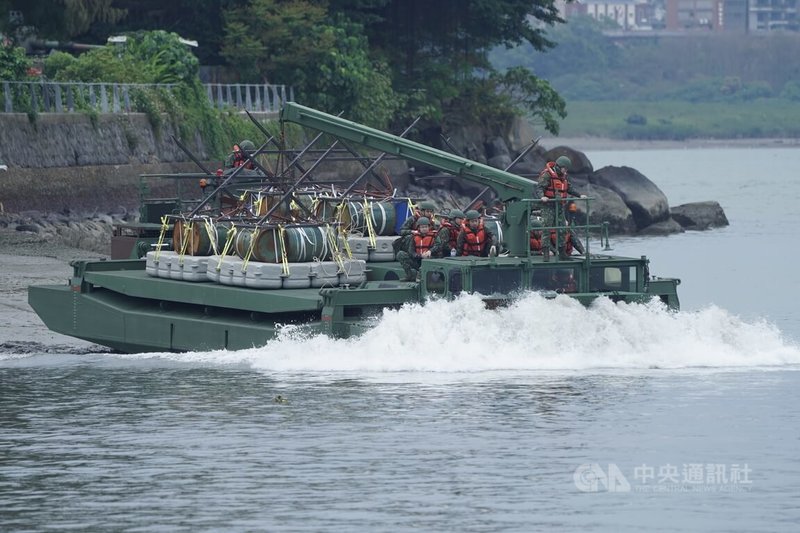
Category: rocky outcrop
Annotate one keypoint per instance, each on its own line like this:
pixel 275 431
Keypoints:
pixel 581 166
pixel 90 232
pixel 606 206
pixel 700 215
pixel 646 201
pixel 665 227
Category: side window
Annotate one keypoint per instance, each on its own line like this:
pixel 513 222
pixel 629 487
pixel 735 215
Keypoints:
pixel 613 278
pixel 563 280
pixel 456 283
pixel 434 282
pixel 496 280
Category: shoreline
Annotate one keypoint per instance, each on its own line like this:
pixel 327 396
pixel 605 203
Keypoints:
pixel 34 259
pixel 589 143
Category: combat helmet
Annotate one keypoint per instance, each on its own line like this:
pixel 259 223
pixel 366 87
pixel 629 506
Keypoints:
pixel 247 146
pixel 472 215
pixel 564 162
pixel 423 221
pixel 456 213
pixel 427 205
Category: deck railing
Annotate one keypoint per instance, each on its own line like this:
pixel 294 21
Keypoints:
pixel 68 97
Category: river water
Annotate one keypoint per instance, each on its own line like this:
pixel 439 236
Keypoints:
pixel 542 416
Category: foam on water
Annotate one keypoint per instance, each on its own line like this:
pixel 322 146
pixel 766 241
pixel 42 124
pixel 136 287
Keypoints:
pixel 532 334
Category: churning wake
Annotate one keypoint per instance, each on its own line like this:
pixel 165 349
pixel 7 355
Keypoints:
pixel 534 333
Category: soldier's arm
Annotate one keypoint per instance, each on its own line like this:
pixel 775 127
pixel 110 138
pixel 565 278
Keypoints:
pixel 462 236
pixel 442 237
pixel 408 226
pixel 410 247
pixel 542 182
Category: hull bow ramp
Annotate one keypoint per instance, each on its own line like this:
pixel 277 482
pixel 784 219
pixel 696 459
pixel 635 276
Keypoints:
pixel 250 250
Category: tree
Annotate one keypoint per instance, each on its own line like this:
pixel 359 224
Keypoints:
pixel 326 60
pixel 65 19
pixel 438 51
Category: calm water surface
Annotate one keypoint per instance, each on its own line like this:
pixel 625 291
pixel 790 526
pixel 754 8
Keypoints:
pixel 544 416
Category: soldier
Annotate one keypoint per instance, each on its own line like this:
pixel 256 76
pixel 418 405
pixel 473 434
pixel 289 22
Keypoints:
pixel 447 236
pixel 556 188
pixel 425 209
pixel 237 158
pixel 419 247
pixel 474 238
pixel 571 241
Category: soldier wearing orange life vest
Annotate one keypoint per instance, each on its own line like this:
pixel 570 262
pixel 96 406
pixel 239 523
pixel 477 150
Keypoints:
pixel 425 209
pixel 555 187
pixel 572 242
pixel 447 235
pixel 475 238
pixel 419 247
pixel 237 157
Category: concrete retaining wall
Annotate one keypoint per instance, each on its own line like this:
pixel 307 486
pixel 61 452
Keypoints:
pixel 75 139
pixel 71 163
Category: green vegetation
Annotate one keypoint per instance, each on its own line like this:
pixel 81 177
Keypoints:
pixel 668 88
pixel 675 120
pixel 156 57
pixel 377 61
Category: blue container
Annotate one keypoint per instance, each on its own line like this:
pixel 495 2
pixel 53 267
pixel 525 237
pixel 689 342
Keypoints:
pixel 403 211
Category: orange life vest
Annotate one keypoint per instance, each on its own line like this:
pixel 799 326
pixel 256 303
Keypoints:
pixel 558 185
pixel 475 240
pixel 536 241
pixel 453 235
pixel 423 243
pixel 240 160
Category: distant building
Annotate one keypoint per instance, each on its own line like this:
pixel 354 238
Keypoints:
pixel 628 14
pixel 742 16
pixel 693 14
pixel 733 16
pixel 768 15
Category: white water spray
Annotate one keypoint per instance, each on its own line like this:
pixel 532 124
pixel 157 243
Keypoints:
pixel 532 334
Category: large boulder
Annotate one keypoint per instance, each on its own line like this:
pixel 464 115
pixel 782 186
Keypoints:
pixel 531 164
pixel 646 201
pixel 665 227
pixel 580 163
pixel 606 206
pixel 496 146
pixel 501 161
pixel 700 215
pixel 520 134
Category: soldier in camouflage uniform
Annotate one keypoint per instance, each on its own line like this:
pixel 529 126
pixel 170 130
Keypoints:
pixel 418 248
pixel 447 235
pixel 555 188
pixel 475 238
pixel 426 209
pixel 237 157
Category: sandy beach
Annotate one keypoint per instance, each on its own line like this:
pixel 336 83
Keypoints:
pixel 28 258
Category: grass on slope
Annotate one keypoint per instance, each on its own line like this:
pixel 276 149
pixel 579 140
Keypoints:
pixel 682 120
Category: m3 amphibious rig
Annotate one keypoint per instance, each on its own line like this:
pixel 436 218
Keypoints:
pixel 264 249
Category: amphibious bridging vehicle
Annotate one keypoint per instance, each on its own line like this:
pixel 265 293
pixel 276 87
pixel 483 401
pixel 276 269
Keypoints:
pixel 260 251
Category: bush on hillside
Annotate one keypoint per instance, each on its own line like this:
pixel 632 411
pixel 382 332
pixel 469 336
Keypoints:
pixel 791 91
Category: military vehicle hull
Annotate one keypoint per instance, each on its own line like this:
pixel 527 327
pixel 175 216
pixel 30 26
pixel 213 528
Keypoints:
pixel 267 244
pixel 116 304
